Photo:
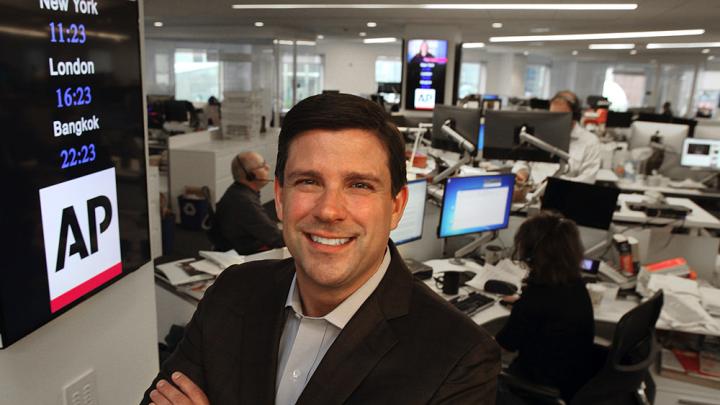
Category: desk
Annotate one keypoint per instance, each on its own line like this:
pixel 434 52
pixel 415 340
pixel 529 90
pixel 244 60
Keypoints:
pixel 698 218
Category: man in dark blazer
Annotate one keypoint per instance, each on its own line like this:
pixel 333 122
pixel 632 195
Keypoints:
pixel 343 321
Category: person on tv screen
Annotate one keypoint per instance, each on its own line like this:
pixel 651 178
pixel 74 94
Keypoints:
pixel 240 221
pixel 423 52
pixel 551 324
pixel 343 320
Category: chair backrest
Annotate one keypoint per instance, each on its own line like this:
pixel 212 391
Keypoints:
pixel 633 350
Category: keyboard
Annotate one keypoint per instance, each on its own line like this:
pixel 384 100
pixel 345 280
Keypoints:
pixel 472 303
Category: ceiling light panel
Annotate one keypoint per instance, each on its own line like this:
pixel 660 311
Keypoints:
pixel 678 45
pixel 436 6
pixel 611 46
pixel 590 37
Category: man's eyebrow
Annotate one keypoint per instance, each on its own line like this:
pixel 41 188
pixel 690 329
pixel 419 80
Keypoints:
pixel 355 176
pixel 303 173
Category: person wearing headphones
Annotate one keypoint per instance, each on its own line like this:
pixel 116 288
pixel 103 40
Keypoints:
pixel 584 148
pixel 240 221
pixel 551 324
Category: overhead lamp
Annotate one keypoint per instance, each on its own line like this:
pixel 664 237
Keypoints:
pixel 158 24
pixel 378 40
pixel 473 45
pixel 711 57
pixel 320 36
pixel 611 46
pixel 282 42
pixel 677 45
pixel 574 53
pixel 306 43
pixel 607 35
pixel 706 50
pixel 633 52
pixel 443 6
pixel 259 24
pixel 526 53
pixel 539 30
pixel 363 34
pixel 371 24
pixel 497 25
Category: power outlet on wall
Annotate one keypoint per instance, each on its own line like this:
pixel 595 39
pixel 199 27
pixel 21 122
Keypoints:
pixel 82 391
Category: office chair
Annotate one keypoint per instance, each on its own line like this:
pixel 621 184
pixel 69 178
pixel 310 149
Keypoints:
pixel 208 222
pixel 623 375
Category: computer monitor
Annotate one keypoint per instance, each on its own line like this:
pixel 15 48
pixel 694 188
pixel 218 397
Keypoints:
pixel 491 102
pixel 476 204
pixel 670 135
pixel 587 204
pixel 619 119
pixel 465 121
pixel 411 224
pixel 652 117
pixel 701 153
pixel 539 104
pixel 502 134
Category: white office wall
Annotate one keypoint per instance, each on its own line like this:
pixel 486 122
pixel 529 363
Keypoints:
pixel 350 65
pixel 506 74
pixel 114 333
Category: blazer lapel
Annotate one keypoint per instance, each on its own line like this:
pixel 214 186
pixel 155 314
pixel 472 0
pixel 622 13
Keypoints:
pixel 364 340
pixel 261 332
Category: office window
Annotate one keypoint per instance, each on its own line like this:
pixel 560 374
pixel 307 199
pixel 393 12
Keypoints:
pixel 309 78
pixel 162 69
pixel 388 69
pixel 197 77
pixel 473 76
pixel 624 89
pixel 537 81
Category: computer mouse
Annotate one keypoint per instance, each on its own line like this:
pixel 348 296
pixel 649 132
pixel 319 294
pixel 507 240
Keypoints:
pixel 500 287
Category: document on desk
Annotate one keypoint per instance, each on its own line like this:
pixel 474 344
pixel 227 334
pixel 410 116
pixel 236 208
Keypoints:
pixel 505 270
pixel 222 260
pixel 178 272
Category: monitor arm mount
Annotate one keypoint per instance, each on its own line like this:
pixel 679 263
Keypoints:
pixel 527 138
pixel 467 147
pixel 478 241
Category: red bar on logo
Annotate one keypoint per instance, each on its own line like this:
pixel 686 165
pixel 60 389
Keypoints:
pixel 84 288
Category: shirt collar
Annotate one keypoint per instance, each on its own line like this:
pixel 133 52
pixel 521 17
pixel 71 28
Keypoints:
pixel 341 315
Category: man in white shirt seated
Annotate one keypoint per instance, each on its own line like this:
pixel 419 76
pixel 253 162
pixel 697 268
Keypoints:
pixel 584 149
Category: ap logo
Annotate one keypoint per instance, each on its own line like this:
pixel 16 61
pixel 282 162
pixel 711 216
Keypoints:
pixel 82 237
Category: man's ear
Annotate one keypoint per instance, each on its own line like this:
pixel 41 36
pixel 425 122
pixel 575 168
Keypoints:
pixel 278 198
pixel 399 203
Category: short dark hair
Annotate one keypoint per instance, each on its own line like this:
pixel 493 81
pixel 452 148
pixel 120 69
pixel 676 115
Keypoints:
pixel 339 111
pixel 550 245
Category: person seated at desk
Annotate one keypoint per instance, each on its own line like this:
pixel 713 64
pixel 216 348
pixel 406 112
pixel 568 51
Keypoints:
pixel 551 325
pixel 584 148
pixel 240 221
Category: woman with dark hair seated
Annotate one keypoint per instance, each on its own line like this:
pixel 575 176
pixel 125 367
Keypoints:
pixel 551 325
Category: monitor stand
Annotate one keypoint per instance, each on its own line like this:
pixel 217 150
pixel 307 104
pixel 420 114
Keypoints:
pixel 478 240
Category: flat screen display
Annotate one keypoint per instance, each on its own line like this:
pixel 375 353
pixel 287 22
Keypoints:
pixel 587 204
pixel 701 153
pixel 476 204
pixel 426 61
pixel 411 224
pixel 73 156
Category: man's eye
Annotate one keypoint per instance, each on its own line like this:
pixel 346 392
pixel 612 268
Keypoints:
pixel 305 182
pixel 362 186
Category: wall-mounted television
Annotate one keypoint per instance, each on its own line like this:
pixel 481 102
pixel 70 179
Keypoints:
pixel 425 62
pixel 72 160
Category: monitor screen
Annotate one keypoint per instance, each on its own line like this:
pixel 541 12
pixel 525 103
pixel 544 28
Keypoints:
pixel 701 153
pixel 476 204
pixel 619 119
pixel 411 224
pixel 73 156
pixel 426 61
pixel 587 204
pixel 465 121
pixel 502 134
pixel 670 135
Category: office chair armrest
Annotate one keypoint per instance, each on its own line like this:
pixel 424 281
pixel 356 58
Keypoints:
pixel 525 388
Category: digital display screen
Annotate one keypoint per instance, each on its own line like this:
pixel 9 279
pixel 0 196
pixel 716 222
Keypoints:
pixel 702 153
pixel 73 156
pixel 411 224
pixel 426 63
pixel 476 204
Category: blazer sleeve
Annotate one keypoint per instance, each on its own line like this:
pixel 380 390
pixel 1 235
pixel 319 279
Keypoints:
pixel 473 380
pixel 187 358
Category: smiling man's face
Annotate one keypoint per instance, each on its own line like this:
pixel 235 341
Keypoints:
pixel 337 208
